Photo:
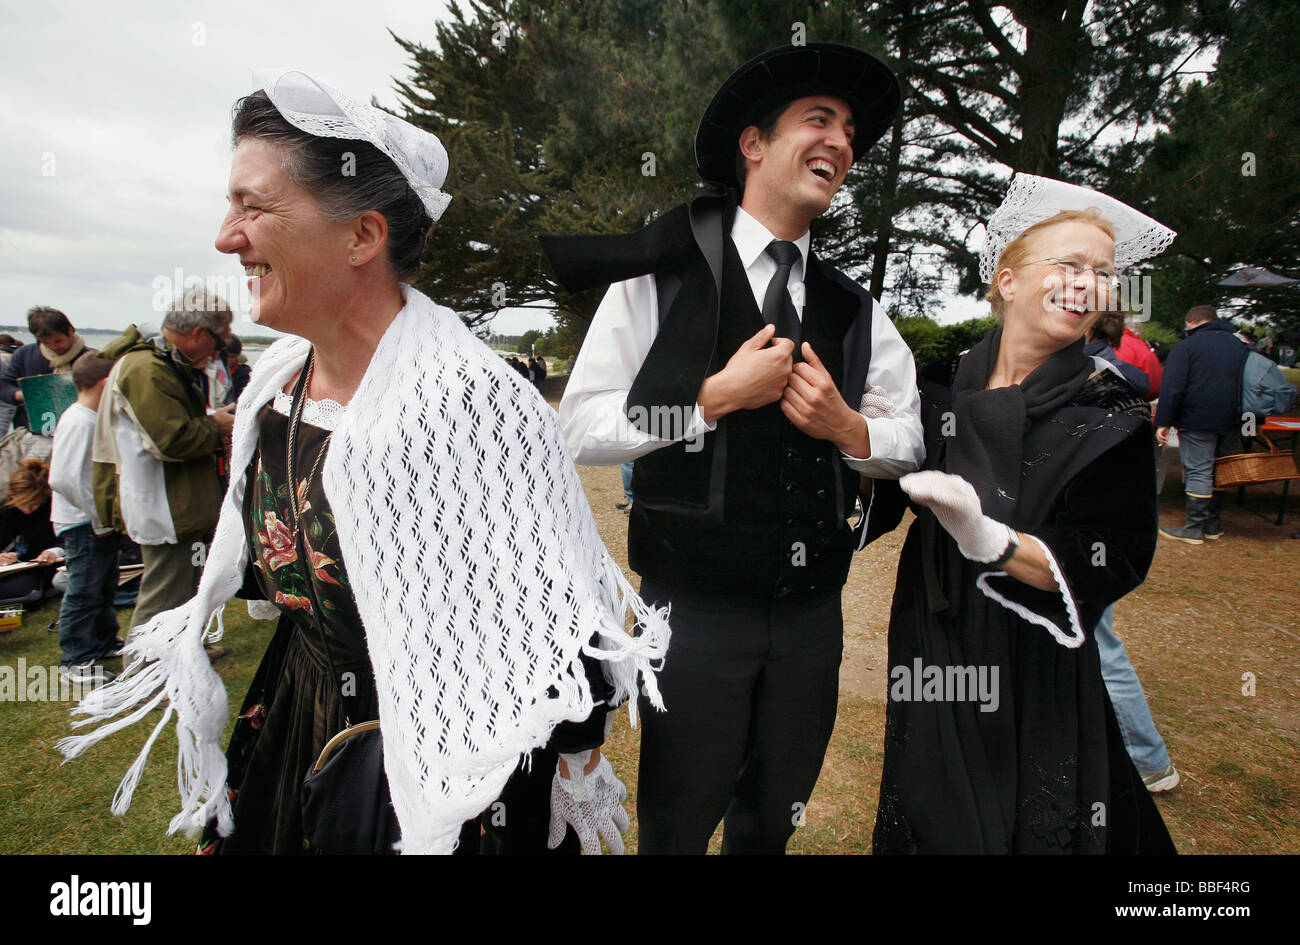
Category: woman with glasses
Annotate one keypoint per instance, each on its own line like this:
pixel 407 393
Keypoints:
pixel 1035 510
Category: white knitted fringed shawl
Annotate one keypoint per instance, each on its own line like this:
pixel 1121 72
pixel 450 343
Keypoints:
pixel 477 570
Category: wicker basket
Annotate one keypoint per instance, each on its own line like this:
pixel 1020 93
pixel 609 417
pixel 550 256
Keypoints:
pixel 1245 469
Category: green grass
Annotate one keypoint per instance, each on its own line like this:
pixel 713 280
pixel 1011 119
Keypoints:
pixel 51 807
pixel 1239 756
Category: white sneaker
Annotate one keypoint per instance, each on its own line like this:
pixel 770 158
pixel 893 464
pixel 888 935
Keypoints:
pixel 88 672
pixel 1160 781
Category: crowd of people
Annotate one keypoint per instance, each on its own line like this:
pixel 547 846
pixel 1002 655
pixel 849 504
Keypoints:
pixel 131 472
pixel 534 371
pixel 406 507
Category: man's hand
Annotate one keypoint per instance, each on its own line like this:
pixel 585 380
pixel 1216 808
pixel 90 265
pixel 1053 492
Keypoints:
pixel 18 396
pixel 48 556
pixel 225 417
pixel 8 558
pixel 1162 436
pixel 813 403
pixel 754 377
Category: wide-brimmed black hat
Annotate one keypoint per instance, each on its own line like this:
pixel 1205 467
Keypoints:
pixel 782 75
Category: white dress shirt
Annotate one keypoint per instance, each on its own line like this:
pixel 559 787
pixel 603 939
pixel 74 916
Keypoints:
pixel 592 411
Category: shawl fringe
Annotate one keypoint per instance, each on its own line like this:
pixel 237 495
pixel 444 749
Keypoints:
pixel 436 785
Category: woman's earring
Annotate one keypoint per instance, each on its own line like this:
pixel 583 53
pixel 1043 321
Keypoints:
pixel 354 259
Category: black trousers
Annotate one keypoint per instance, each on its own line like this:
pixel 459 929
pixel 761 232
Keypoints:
pixel 750 689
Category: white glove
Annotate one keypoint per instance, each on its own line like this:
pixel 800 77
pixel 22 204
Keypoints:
pixel 590 803
pixel 957 507
pixel 876 404
pixel 262 610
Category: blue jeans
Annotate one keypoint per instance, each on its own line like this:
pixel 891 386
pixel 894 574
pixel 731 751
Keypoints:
pixel 87 621
pixel 1144 744
pixel 626 470
pixel 1199 449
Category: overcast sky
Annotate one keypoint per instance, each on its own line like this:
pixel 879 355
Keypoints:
pixel 116 140
pixel 116 143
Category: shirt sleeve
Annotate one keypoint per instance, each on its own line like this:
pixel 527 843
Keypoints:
pixel 897 442
pixel 71 467
pixel 593 410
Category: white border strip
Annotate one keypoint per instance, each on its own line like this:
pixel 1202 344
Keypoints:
pixel 1037 619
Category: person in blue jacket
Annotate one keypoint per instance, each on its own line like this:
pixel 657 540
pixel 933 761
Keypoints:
pixel 1200 396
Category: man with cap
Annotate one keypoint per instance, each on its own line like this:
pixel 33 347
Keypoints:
pixel 1201 398
pixel 754 385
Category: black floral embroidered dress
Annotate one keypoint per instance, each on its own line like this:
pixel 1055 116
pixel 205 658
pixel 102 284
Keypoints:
pixel 292 708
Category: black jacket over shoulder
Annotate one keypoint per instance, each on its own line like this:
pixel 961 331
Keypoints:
pixel 728 514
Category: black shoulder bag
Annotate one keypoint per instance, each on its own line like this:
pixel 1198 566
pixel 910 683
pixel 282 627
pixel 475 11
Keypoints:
pixel 346 804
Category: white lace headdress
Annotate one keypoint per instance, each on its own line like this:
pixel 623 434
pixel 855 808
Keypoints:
pixel 1032 199
pixel 325 112
pixel 477 570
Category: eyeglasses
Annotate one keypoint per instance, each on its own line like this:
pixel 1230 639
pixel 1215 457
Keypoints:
pixel 218 340
pixel 1071 268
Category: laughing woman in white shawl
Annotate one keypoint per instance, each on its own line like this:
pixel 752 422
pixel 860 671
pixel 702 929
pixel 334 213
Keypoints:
pixel 407 503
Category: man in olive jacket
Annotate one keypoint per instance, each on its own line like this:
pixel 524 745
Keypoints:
pixel 155 448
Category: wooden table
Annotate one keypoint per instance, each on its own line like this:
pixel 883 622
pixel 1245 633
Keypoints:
pixel 1282 428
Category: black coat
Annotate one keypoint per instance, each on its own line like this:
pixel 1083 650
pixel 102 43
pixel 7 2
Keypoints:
pixel 1201 389
pixel 1046 770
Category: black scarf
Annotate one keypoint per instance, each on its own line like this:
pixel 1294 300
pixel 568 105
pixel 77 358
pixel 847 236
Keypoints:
pixel 990 425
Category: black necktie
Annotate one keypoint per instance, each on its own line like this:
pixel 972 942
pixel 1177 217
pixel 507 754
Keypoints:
pixel 778 307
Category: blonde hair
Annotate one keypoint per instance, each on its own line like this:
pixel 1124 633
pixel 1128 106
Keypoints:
pixel 30 483
pixel 1016 253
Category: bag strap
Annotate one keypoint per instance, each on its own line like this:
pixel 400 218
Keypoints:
pixel 291 447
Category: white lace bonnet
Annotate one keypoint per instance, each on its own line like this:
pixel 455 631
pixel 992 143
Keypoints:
pixel 325 112
pixel 1031 200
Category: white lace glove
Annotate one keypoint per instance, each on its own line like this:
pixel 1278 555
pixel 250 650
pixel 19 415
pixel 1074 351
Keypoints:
pixel 262 610
pixel 590 803
pixel 876 404
pixel 957 507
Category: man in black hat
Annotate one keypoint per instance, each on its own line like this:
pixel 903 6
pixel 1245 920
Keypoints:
pixel 754 385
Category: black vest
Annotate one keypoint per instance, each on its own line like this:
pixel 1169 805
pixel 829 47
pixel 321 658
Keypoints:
pixel 786 496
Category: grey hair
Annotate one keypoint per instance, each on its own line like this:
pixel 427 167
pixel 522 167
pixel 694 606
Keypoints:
pixel 198 308
pixel 345 177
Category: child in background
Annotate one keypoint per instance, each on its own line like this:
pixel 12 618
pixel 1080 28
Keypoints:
pixel 87 622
